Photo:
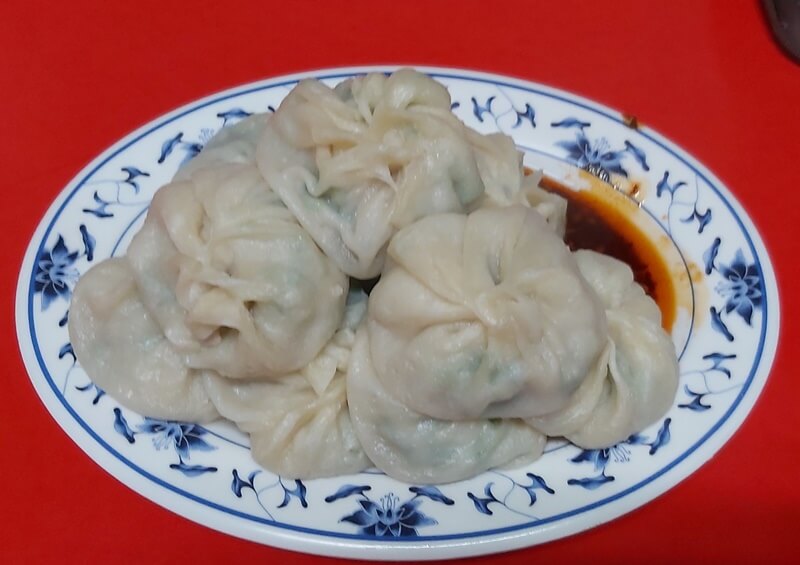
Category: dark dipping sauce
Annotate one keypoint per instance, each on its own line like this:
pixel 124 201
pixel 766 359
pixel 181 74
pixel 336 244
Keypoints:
pixel 595 224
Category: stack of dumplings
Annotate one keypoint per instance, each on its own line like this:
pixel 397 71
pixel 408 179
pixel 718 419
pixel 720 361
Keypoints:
pixel 241 297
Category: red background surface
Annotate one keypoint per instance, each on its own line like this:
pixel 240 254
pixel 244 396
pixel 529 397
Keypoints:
pixel 76 76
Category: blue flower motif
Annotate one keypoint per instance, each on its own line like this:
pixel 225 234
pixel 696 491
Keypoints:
pixel 741 287
pixel 389 518
pixel 620 453
pixel 181 436
pixel 55 273
pixel 596 157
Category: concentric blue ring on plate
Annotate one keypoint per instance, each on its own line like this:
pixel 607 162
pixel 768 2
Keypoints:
pixel 205 473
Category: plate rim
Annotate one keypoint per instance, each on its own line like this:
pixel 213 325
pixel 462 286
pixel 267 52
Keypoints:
pixel 424 547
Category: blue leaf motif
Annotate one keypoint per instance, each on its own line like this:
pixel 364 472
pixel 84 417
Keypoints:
pixel 637 439
pixel 662 437
pixel 592 483
pixel 479 110
pixel 433 493
pixel 64 319
pixel 169 146
pixel 570 123
pixel 710 255
pixel 98 394
pixel 717 360
pixel 528 114
pixel 638 154
pixel 299 492
pixel 702 218
pixel 233 114
pixel 663 185
pixel 346 491
pixel 537 483
pixel 696 405
pixel 455 105
pixel 719 325
pixel 132 174
pixel 88 242
pixel 65 350
pixel 482 504
pixel 238 484
pixel 121 426
pixel 100 211
pixel 192 470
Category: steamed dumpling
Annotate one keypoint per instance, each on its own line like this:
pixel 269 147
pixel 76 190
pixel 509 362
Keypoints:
pixel 481 316
pixel 124 352
pixel 236 284
pixel 299 424
pixel 634 382
pixel 415 448
pixel 294 431
pixel 358 162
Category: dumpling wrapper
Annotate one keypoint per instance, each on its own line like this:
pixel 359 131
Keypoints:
pixel 635 381
pixel 411 447
pixel 481 316
pixel 299 424
pixel 237 285
pixel 293 431
pixel 335 356
pixel 358 162
pixel 124 352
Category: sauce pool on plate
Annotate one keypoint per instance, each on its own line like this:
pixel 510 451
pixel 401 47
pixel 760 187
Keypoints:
pixel 595 223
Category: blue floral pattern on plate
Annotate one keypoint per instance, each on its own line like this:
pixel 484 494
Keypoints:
pixel 206 473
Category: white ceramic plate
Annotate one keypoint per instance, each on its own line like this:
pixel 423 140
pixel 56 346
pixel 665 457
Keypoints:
pixel 726 335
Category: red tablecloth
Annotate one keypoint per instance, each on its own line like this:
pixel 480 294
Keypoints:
pixel 76 76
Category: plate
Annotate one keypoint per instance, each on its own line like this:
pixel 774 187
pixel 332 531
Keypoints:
pixel 726 332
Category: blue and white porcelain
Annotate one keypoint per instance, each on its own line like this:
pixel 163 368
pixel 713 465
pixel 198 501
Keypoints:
pixel 726 335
